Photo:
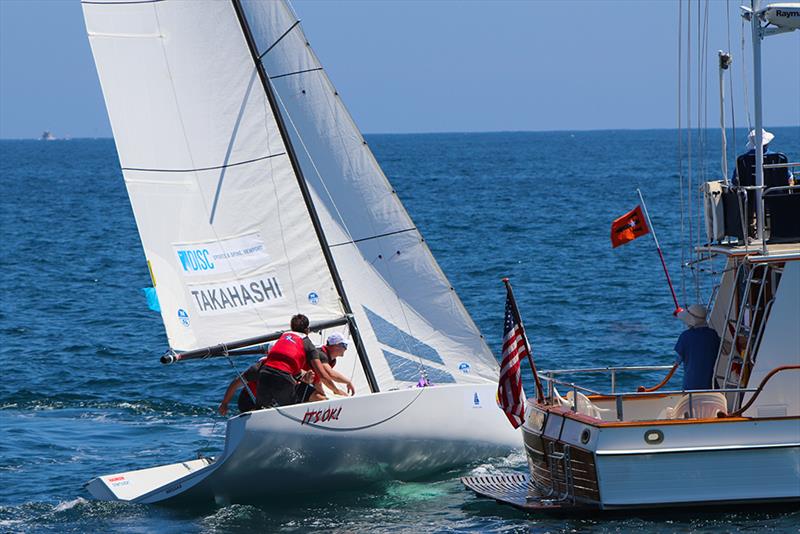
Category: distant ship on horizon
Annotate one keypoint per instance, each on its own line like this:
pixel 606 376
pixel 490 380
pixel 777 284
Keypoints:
pixel 47 136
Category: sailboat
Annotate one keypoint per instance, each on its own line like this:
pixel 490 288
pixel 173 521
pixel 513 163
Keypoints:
pixel 256 198
pixel 737 442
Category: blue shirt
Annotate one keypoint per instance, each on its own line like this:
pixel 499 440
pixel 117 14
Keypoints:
pixel 697 351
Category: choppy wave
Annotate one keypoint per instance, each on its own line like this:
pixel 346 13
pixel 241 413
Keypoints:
pixel 25 400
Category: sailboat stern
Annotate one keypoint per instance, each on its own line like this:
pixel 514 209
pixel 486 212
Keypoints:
pixel 132 485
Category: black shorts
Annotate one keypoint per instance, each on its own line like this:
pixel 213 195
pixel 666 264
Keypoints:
pixel 245 402
pixel 304 391
pixel 275 388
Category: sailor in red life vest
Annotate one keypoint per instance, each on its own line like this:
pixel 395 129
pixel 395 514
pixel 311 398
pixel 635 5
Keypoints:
pixel 286 365
pixel 245 400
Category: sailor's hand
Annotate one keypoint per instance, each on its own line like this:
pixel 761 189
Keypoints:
pixel 308 377
pixel 351 389
pixel 641 389
pixel 339 392
pixel 223 408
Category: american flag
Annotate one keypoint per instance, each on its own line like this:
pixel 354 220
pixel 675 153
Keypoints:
pixel 509 389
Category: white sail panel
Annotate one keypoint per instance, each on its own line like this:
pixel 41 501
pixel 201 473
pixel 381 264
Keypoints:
pixel 223 223
pixel 410 318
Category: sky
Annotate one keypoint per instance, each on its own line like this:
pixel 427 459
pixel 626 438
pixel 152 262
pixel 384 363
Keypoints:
pixel 441 66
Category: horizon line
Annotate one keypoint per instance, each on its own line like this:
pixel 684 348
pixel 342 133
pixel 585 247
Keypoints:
pixel 452 132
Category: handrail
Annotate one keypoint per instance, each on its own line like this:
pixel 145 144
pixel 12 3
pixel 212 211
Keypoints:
pixel 571 385
pixel 642 389
pixel 607 369
pixel 781 165
pixel 758 390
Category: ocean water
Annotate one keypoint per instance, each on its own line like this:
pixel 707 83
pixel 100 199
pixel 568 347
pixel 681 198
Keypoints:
pixel 82 392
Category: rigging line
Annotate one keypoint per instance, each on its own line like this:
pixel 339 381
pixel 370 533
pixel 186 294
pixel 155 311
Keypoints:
pixel 376 167
pixel 294 73
pixel 333 91
pixel 200 169
pixel 680 146
pixel 274 101
pixel 278 40
pixel 744 78
pixel 703 145
pixel 229 150
pixel 336 207
pixel 373 237
pixel 690 139
pixel 730 85
pixel 278 212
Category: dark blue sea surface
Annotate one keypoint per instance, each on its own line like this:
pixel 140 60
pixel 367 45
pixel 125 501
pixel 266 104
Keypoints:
pixel 82 391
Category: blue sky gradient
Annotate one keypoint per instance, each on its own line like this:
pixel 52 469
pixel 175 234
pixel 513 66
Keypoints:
pixel 437 66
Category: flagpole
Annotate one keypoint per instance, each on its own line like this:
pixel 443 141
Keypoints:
pixel 660 254
pixel 518 318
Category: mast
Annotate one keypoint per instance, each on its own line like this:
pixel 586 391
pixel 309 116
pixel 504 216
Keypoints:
pixel 756 37
pixel 358 342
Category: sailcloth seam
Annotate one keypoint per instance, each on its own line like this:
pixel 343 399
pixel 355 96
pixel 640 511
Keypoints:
pixel 294 73
pixel 372 237
pixel 199 169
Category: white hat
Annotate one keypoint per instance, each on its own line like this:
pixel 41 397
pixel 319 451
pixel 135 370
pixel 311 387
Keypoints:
pixel 337 339
pixel 766 138
pixel 694 316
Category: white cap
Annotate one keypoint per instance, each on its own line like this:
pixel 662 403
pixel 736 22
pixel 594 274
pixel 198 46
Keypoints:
pixel 337 339
pixel 694 316
pixel 766 138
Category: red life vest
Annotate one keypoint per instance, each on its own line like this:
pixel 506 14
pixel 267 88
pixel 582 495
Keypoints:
pixel 288 354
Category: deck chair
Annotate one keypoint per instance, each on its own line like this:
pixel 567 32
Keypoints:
pixel 704 406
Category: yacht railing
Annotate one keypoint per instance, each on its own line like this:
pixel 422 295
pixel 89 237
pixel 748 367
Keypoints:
pixel 549 377
pixel 612 370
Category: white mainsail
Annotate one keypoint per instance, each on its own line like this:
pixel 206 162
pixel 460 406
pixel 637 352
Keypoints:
pixel 231 240
pixel 410 318
pixel 231 247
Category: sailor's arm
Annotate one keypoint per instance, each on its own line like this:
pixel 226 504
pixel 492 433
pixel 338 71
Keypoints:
pixel 339 377
pixel 232 387
pixel 324 376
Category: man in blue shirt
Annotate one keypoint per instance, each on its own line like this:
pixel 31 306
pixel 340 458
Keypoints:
pixel 697 349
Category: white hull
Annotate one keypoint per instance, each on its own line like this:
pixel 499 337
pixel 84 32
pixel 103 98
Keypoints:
pixel 696 462
pixel 404 434
pixel 711 476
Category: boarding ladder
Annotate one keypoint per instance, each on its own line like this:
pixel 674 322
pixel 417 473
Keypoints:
pixel 744 326
pixel 560 465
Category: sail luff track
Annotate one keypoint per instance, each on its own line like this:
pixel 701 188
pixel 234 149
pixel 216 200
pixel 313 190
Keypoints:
pixel 359 344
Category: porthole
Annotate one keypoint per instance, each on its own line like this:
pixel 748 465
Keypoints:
pixel 653 437
pixel 586 435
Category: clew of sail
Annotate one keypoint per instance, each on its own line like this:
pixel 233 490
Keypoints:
pixel 410 319
pixel 225 229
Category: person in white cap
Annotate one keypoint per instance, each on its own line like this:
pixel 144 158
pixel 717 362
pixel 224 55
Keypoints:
pixel 322 363
pixel 746 163
pixel 697 349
